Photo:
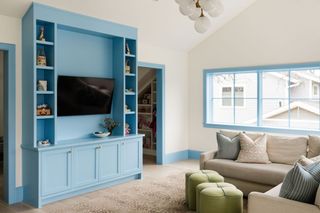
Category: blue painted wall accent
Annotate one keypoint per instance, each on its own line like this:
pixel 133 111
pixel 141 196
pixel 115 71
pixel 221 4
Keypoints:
pixel 194 154
pixel 176 156
pixel 11 193
pixel 160 75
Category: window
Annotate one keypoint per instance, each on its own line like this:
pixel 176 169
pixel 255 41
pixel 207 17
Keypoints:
pixel 227 94
pixel 267 97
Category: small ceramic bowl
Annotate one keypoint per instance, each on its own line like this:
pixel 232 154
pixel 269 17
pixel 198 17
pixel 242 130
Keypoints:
pixel 101 134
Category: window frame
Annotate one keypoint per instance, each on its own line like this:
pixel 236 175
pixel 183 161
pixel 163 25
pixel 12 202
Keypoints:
pixel 259 70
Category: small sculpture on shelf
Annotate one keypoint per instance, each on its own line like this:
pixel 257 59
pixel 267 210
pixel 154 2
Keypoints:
pixel 41 58
pixel 127 109
pixel 109 124
pixel 127 129
pixel 45 142
pixel 42 85
pixel 127 49
pixel 128 69
pixel 43 110
pixel 41 34
pixel 130 90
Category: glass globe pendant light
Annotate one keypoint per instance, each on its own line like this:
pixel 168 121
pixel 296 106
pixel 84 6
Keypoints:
pixel 202 24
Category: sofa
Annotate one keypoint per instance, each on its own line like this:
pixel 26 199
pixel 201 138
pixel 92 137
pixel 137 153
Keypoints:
pixel 262 182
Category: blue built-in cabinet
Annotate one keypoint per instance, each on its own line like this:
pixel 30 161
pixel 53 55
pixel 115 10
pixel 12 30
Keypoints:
pixel 75 162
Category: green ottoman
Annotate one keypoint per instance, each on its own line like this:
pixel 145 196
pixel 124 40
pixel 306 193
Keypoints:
pixel 195 178
pixel 219 198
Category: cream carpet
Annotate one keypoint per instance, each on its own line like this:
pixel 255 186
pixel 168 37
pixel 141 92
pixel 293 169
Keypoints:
pixel 162 195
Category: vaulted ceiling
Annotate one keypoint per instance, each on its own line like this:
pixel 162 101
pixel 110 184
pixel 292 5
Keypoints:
pixel 159 21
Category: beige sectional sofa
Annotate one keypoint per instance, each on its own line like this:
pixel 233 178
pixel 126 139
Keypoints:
pixel 264 179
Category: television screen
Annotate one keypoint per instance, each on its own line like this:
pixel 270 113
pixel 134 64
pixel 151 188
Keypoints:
pixel 84 95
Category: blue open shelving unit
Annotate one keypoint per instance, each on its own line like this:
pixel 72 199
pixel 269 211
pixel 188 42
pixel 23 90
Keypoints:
pixel 75 162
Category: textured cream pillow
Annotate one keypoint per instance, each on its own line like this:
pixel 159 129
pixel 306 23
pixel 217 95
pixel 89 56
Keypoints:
pixel 286 150
pixel 317 200
pixel 253 151
pixel 314 146
pixel 304 161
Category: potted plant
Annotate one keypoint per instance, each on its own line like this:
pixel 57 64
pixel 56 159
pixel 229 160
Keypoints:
pixel 109 124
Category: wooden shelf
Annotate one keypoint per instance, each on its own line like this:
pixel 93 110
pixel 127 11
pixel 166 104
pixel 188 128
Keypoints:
pixel 130 55
pixel 145 130
pixel 130 74
pixel 45 92
pixel 44 67
pixel 45 117
pixel 145 113
pixel 130 113
pixel 145 105
pixel 130 93
pixel 49 43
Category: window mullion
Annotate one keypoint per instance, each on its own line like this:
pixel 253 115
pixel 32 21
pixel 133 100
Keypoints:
pixel 234 98
pixel 289 100
pixel 259 102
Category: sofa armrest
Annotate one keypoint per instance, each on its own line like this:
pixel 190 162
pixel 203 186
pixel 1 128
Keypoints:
pixel 205 156
pixel 264 203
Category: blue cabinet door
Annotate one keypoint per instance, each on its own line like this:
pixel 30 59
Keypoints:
pixel 56 171
pixel 85 167
pixel 131 156
pixel 109 162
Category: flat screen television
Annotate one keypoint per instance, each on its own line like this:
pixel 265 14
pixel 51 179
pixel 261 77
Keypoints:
pixel 84 95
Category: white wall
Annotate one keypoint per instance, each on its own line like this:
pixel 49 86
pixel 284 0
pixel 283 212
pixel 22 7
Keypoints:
pixel 11 33
pixel 176 93
pixel 1 92
pixel 268 32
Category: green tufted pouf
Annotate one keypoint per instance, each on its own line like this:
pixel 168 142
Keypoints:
pixel 219 198
pixel 195 178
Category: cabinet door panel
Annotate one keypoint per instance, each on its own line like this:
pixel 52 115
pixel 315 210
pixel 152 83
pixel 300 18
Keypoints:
pixel 131 156
pixel 56 171
pixel 109 161
pixel 85 169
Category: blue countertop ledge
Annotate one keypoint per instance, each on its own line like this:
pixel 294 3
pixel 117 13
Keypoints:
pixel 82 142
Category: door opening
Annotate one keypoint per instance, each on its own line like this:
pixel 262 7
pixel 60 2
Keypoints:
pixel 151 111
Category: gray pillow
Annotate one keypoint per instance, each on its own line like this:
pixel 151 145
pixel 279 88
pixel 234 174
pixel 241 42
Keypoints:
pixel 228 148
pixel 299 185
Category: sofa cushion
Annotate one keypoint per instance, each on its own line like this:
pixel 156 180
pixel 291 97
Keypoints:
pixel 268 174
pixel 275 191
pixel 228 148
pixel 314 146
pixel 317 200
pixel 299 185
pixel 253 151
pixel 287 150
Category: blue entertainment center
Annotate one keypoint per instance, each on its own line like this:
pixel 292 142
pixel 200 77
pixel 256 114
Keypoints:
pixel 75 162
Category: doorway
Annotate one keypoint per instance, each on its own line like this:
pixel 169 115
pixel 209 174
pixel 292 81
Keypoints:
pixel 151 111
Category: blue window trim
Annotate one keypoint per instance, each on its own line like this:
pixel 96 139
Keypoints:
pixel 259 70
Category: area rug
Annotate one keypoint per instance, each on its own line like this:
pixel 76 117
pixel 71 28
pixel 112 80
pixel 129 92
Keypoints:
pixel 158 196
pixel 163 195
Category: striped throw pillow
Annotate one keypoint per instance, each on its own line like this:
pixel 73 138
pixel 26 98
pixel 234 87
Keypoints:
pixel 314 170
pixel 299 185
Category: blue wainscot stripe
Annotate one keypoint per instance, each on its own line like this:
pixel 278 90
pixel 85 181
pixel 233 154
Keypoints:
pixel 182 155
pixel 194 154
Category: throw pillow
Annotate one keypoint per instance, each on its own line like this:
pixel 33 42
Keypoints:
pixel 228 148
pixel 304 161
pixel 314 146
pixel 229 133
pixel 286 150
pixel 253 151
pixel 299 185
pixel 314 170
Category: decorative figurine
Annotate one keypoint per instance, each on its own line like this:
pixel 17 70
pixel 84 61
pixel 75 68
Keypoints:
pixel 41 58
pixel 127 129
pixel 128 69
pixel 127 109
pixel 127 49
pixel 41 36
pixel 43 110
pixel 42 85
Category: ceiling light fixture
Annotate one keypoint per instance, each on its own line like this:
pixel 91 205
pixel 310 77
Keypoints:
pixel 195 10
